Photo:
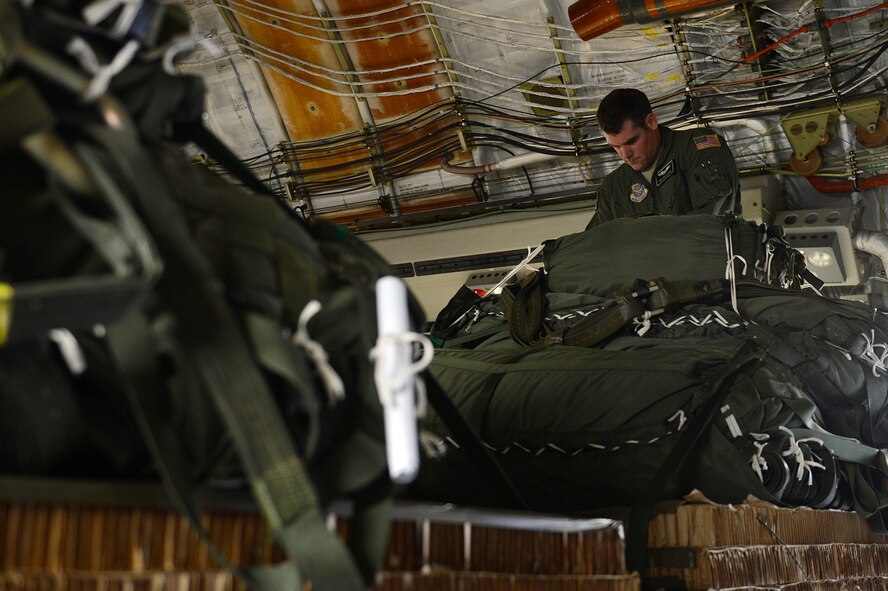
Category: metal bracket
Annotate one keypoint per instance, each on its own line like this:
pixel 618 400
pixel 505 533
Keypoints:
pixel 864 113
pixel 808 129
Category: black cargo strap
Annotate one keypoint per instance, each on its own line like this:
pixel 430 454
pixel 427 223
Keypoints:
pixel 743 363
pixel 817 385
pixel 596 327
pixel 487 466
pixel 524 307
pixel 139 378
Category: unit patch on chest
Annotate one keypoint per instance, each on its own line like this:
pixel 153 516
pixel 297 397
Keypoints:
pixel 665 171
pixel 637 193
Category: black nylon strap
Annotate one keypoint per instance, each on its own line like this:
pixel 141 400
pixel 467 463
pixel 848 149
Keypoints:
pixel 486 465
pixel 698 425
pixel 139 380
pixel 210 332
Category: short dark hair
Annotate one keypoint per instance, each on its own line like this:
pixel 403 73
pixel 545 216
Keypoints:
pixel 622 104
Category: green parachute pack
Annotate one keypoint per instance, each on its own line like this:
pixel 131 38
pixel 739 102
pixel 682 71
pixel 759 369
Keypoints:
pixel 157 322
pixel 658 355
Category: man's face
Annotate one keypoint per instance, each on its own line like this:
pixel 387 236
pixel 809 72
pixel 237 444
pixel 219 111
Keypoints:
pixel 637 146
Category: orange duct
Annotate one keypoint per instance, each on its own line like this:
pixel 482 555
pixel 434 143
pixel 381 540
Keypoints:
pixel 591 18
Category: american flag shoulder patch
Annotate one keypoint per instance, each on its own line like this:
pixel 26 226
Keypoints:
pixel 710 140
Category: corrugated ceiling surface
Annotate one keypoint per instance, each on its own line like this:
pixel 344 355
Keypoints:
pixel 362 100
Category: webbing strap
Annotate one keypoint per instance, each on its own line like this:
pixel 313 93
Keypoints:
pixel 698 425
pixel 524 309
pixel 486 465
pixel 598 326
pixel 140 382
pixel 817 385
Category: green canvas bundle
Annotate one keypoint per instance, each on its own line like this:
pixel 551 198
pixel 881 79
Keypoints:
pixel 174 326
pixel 613 256
pixel 734 386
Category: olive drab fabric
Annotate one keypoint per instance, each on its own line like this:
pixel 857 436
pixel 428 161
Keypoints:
pixel 203 331
pixel 758 386
pixel 695 172
pixel 613 255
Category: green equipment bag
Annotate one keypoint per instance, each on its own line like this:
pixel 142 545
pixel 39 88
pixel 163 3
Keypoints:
pixel 583 428
pixel 202 331
pixel 604 259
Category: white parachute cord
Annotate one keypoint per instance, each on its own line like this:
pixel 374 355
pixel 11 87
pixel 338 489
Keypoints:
pixel 796 452
pixel 730 273
pixel 101 75
pixel 721 320
pixel 769 258
pixel 398 381
pixel 680 415
pixel 316 352
pixel 759 464
pixel 870 356
pixel 524 264
pixel 69 349
pixel 642 323
pixel 532 253
pixel 97 11
pixel 186 44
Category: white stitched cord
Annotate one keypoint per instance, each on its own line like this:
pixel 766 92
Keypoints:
pixel 397 382
pixel 315 351
pixel 796 452
pixel 569 315
pixel 95 12
pixel 680 415
pixel 730 274
pixel 186 44
pixel 101 75
pixel 675 322
pixel 758 463
pixel 869 354
pixel 845 352
pixel 531 254
pixel 69 349
pixel 643 325
pixel 769 258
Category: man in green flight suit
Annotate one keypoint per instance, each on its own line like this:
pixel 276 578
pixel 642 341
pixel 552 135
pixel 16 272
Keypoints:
pixel 663 171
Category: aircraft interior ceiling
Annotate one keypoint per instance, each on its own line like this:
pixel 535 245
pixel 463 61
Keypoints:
pixel 375 112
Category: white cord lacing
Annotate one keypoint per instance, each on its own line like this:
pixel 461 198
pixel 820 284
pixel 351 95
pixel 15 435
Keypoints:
pixel 713 316
pixel 101 75
pixel 758 462
pixel 315 351
pixel 524 264
pixel 386 387
pixel 186 44
pixel 796 452
pixel 769 258
pixel 97 11
pixel 680 415
pixel 642 323
pixel 70 350
pixel 730 274
pixel 877 360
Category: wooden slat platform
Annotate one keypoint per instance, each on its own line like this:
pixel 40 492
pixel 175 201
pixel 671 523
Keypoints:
pixel 69 536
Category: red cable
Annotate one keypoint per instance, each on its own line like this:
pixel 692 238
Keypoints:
pixel 826 186
pixel 804 29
